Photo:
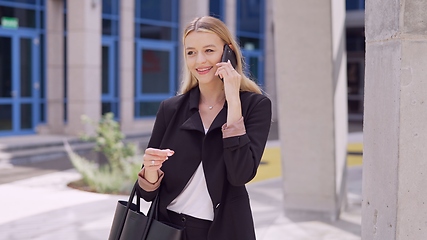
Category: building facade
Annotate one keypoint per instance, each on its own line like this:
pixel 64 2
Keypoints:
pixel 60 59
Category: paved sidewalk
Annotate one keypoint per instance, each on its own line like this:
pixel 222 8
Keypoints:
pixel 44 208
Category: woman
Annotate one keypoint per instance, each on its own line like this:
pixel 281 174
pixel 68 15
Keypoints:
pixel 207 142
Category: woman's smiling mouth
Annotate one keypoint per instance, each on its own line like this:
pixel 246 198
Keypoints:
pixel 203 70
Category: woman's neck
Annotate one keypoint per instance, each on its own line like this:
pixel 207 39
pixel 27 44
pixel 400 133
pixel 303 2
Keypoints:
pixel 212 93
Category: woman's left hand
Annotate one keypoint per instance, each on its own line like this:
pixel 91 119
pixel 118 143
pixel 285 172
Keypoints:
pixel 231 79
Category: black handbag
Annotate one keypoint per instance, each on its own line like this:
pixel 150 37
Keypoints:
pixel 129 223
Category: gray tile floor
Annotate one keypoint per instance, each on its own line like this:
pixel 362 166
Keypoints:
pixel 43 208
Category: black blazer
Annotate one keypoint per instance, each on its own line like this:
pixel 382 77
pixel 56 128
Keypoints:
pixel 228 163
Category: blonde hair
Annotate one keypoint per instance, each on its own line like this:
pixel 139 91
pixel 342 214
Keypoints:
pixel 213 25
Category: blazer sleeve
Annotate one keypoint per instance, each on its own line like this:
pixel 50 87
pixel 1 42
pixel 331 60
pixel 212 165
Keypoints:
pixel 242 154
pixel 158 131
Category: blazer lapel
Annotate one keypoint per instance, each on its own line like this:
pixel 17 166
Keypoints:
pixel 220 119
pixel 194 122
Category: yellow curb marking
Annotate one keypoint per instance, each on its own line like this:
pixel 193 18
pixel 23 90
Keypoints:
pixel 271 166
pixel 355 147
pixel 354 160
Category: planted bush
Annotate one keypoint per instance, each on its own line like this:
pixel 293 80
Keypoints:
pixel 120 171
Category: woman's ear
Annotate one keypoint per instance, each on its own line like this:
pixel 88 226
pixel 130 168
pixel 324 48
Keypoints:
pixel 231 46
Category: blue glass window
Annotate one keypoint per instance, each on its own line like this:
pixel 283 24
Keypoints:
pixel 148 31
pixel 156 43
pixel 109 73
pixel 250 33
pixel 22 84
pixel 216 9
pixel 23 1
pixel 157 20
pixel 160 10
pixel 6 67
pixel 250 16
pixel 27 18
pixel 110 7
pixel 355 4
pixel 6 113
pixel 110 17
pixel 355 40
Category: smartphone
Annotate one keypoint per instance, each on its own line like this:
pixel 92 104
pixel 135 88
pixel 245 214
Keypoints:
pixel 229 54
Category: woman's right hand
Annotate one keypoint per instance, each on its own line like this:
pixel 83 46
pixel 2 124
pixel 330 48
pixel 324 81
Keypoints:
pixel 154 158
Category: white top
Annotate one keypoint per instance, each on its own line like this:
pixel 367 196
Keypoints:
pixel 194 200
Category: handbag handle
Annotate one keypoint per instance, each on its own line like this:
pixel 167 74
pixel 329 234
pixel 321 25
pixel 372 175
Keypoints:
pixel 152 214
pixel 122 222
pixel 153 210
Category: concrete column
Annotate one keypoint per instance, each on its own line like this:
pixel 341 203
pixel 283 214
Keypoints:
pixel 55 67
pixel 395 131
pixel 312 105
pixel 269 58
pixel 126 66
pixel 188 10
pixel 230 15
pixel 84 62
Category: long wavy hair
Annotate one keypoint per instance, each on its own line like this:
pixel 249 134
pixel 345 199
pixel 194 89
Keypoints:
pixel 213 25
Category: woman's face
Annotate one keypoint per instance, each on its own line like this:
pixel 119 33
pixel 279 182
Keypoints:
pixel 202 52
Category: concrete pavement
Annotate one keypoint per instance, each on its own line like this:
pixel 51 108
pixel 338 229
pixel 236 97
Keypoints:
pixel 44 208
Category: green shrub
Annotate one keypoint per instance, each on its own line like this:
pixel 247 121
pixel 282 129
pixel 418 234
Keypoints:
pixel 123 164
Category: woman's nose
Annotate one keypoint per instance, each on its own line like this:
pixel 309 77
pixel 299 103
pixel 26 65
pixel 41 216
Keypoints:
pixel 201 58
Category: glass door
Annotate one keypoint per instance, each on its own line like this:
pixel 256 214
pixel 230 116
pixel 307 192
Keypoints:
pixel 19 84
pixel 109 82
pixel 6 89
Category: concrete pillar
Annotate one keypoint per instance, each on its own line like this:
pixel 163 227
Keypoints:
pixel 199 8
pixel 395 131
pixel 84 63
pixel 190 9
pixel 55 67
pixel 230 11
pixel 269 58
pixel 126 65
pixel 312 105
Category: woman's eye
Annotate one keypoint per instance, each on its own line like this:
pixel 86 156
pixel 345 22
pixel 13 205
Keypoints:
pixel 189 53
pixel 209 50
